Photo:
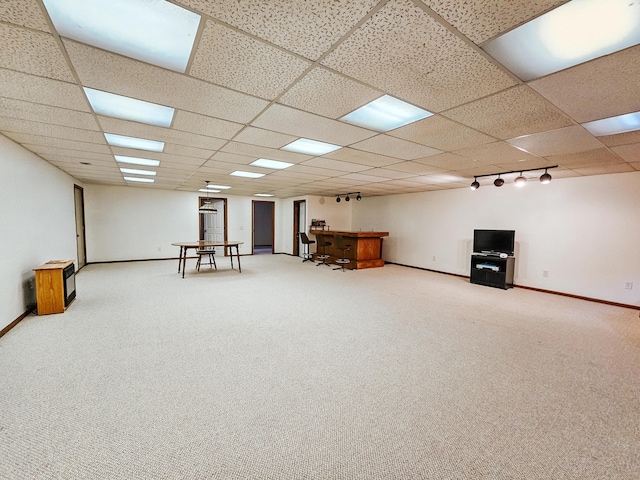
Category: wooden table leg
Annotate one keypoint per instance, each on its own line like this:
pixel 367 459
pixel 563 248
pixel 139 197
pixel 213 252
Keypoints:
pixel 184 261
pixel 180 259
pixel 238 254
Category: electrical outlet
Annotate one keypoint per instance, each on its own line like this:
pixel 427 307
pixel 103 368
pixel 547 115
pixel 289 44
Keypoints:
pixel 545 273
pixel 628 285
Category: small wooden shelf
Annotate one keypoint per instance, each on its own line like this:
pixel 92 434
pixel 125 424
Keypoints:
pixel 492 270
pixel 52 293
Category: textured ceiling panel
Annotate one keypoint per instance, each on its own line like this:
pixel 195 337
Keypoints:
pixel 103 158
pixel 401 46
pixel 629 153
pixel 598 89
pixel 228 58
pixel 256 151
pixel 204 125
pixel 265 138
pixel 124 76
pixel 621 138
pixel 185 151
pixel 590 158
pixel 151 132
pixel 45 114
pixel 329 94
pixel 352 155
pixel 448 161
pixel 34 52
pixel 441 133
pixel 303 124
pixel 496 152
pixel 557 142
pixel 391 146
pixel 56 143
pixel 605 169
pixel 307 28
pixel 510 113
pixel 48 130
pixel 481 20
pixel 415 168
pixel 22 86
pixel 321 162
pixel 25 13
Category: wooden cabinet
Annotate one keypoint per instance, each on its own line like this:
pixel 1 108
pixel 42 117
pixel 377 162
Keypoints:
pixel 365 248
pixel 492 271
pixel 55 286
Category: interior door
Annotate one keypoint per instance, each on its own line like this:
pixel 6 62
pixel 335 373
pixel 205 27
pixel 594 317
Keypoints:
pixel 214 223
pixel 81 245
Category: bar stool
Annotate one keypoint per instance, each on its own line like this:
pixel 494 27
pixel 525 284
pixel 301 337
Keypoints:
pixel 323 244
pixel 343 247
pixel 206 252
pixel 306 242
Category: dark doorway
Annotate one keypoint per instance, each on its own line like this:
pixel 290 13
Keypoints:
pixel 263 226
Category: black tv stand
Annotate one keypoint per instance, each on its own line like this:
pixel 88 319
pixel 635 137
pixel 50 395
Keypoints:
pixel 492 270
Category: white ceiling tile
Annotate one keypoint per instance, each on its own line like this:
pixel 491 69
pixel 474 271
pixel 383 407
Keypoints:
pixel 25 13
pixel 32 51
pixel 510 113
pixel 43 113
pixel 388 173
pixel 556 142
pixel 230 158
pixel 441 133
pixel 22 86
pixel 59 143
pixel 352 155
pixel 415 168
pixel 257 151
pixel 496 152
pixel 64 154
pixel 407 53
pixel 265 138
pixel 395 147
pixel 204 125
pixel 48 130
pixel 602 88
pixel 185 151
pixel 307 28
pixel 448 161
pixel 621 139
pixel 285 119
pixel 480 20
pixel 589 158
pixel 360 177
pixel 234 60
pixel 329 94
pixel 115 74
pixel 606 169
pixel 321 162
pixel 629 153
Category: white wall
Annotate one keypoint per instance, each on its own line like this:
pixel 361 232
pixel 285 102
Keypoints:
pixel 584 231
pixel 134 223
pixel 37 223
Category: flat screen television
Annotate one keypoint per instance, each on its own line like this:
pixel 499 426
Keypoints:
pixel 494 241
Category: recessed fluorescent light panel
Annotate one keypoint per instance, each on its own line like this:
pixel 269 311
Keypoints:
pixel 205 190
pixel 263 195
pixel 153 31
pixel 275 164
pixel 218 187
pixel 137 161
pixel 571 34
pixel 310 147
pixel 386 113
pixel 126 108
pixel 133 142
pixel 140 180
pixel 614 125
pixel 135 171
pixel 240 173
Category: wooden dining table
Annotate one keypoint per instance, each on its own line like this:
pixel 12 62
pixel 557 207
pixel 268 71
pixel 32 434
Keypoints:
pixel 202 244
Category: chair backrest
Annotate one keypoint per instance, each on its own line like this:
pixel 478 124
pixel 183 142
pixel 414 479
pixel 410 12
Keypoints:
pixel 303 238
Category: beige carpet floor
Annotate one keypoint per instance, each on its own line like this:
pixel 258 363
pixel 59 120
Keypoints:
pixel 294 371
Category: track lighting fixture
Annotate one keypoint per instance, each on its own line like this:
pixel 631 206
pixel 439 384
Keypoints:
pixel 519 181
pixel 347 197
pixel 545 177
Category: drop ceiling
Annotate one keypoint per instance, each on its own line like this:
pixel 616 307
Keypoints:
pixel 263 74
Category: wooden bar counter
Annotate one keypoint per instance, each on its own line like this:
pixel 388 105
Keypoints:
pixel 365 250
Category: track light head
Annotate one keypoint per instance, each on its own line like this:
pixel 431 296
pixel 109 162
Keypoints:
pixel 347 198
pixel 338 199
pixel 545 177
pixel 475 185
pixel 498 182
pixel 358 197
pixel 520 181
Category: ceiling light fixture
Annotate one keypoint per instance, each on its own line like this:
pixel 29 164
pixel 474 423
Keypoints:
pixel 127 108
pixel 613 125
pixel 385 113
pixel 207 206
pixel 137 161
pixel 310 147
pixel 568 35
pixel 275 164
pixel 347 197
pixel 519 181
pixel 240 173
pixel 134 142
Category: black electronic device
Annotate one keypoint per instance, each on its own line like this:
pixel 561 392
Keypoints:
pixel 494 241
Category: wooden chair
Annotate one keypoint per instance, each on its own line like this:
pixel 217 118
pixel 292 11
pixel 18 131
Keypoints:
pixel 306 255
pixel 206 252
